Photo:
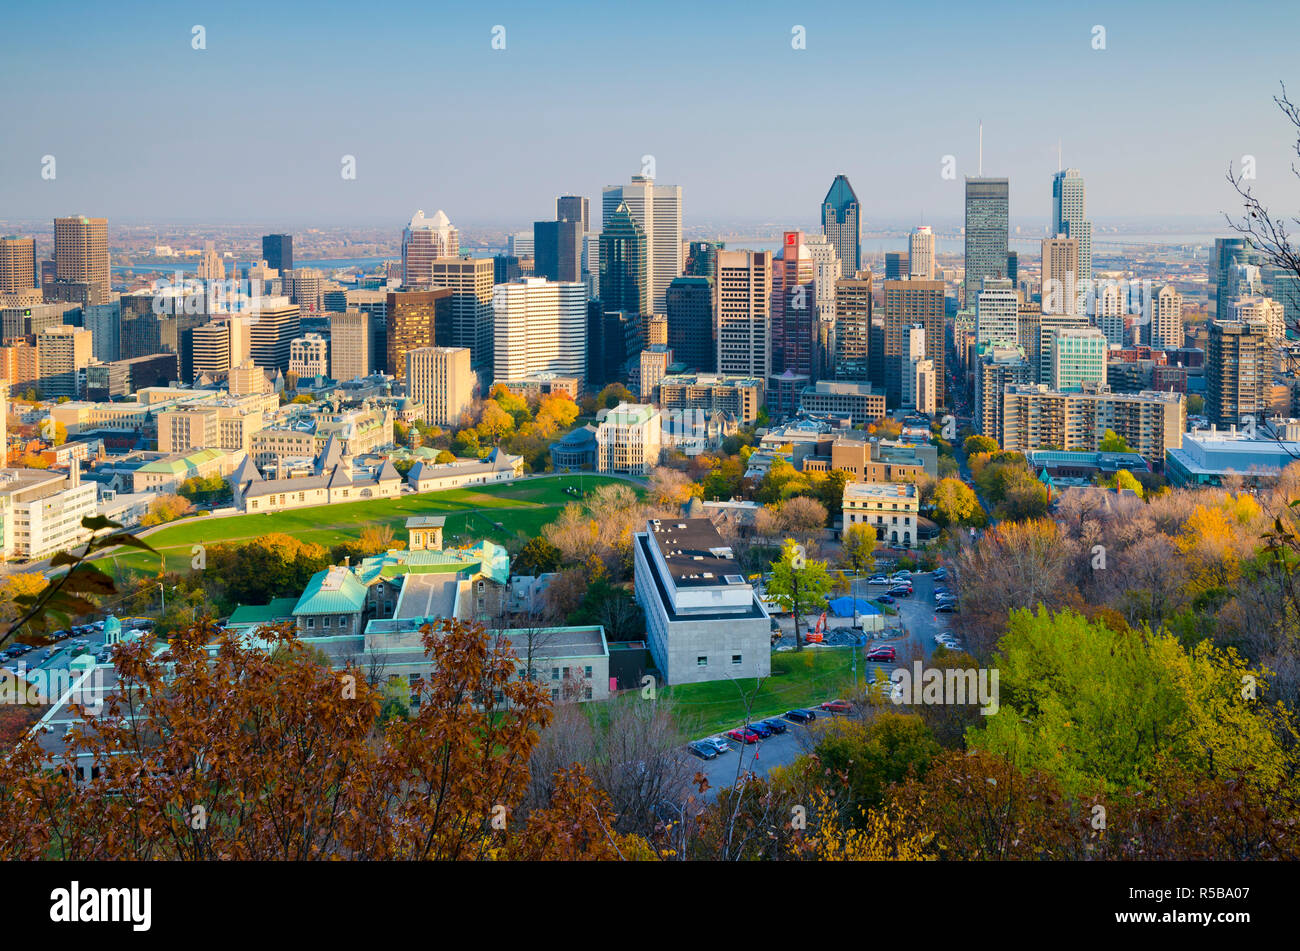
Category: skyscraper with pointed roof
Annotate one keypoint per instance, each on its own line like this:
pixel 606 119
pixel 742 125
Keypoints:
pixel 842 224
pixel 624 264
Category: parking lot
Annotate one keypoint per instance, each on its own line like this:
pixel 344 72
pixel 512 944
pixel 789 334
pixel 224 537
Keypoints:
pixel 60 651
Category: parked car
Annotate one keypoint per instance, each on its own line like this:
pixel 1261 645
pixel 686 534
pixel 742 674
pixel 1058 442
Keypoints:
pixel 760 729
pixel 774 725
pixel 800 715
pixel 900 574
pixel 718 743
pixel 837 706
pixel 882 653
pixel 884 599
pixel 877 579
pixel 900 590
pixel 743 735
pixel 702 750
pixel 940 573
pixel 946 607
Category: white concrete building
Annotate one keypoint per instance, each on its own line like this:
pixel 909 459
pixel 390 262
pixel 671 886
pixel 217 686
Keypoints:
pixel 628 439
pixel 703 620
pixel 539 326
pixel 309 356
pixel 42 511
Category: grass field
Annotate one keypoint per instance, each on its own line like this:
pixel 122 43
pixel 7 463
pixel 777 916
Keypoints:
pixel 520 508
pixel 801 679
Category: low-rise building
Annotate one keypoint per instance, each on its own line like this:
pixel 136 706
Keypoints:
pixel 704 621
pixel 629 439
pixel 891 508
pixel 496 466
pixel 41 511
pixel 741 396
pixel 856 400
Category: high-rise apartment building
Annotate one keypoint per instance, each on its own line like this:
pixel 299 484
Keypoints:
pixel 1036 416
pixel 658 210
pixel 853 328
pixel 104 321
pixel 913 355
pixel 1238 371
pixel 277 251
pixel 920 253
pixel 81 254
pixel 625 265
pixel 416 319
pixel 987 208
pixel 841 222
pixel 470 325
pixel 424 241
pixel 690 323
pixel 1078 358
pixel 305 288
pixel 1060 275
pixel 61 352
pixel 278 322
pixel 908 303
pixel 1070 217
pixel 350 339
pixel 1165 327
pixel 997 313
pixel 540 327
pixel 741 309
pixel 442 381
pixel 18 272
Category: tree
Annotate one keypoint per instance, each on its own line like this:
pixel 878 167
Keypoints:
pixel 802 517
pixel 859 546
pixel 167 508
pixel 538 556
pixel 614 394
pixel 979 443
pixel 799 585
pixel 955 503
pixel 671 489
pixel 1113 442
pixel 868 756
pixel 1123 480
pixel 494 423
pixel 1195 404
pixel 276 565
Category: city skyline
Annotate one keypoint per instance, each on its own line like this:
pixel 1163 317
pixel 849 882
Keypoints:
pixel 1151 160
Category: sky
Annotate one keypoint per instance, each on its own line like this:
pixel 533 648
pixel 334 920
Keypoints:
pixel 255 127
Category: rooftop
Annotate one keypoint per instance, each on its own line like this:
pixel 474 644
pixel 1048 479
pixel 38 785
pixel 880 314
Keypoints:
pixel 695 553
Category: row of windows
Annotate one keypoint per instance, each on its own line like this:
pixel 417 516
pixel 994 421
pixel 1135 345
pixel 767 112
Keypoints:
pixel 703 660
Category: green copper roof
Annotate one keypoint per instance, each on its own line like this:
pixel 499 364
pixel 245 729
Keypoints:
pixel 332 591
pixel 279 609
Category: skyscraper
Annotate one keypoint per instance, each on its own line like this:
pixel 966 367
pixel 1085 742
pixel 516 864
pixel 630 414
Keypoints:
pixel 277 323
pixel 540 327
pixel 440 380
pixel 423 241
pixel 853 328
pixel 794 301
pixel 81 254
pixel 1228 254
pixel 574 208
pixel 1060 275
pixel 987 204
pixel 624 263
pixel 557 250
pixel 1070 216
pixel 18 271
pixel 61 352
pixel 997 314
pixel 690 323
pixel 658 210
pixel 908 303
pixel 277 251
pixel 350 345
pixel 1238 370
pixel 741 308
pixel 841 222
pixel 416 319
pixel 920 253
pixel 896 266
pixel 470 281
pixel 1078 357
pixel 1165 328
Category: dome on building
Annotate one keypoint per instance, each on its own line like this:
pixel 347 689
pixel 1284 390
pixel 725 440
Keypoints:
pixel 112 626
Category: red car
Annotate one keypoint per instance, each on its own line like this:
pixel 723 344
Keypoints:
pixel 743 735
pixel 881 653
pixel 837 706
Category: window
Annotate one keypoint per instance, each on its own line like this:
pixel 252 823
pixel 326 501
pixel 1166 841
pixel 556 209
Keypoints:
pixel 701 662
pixel 586 672
pixel 325 621
pixel 311 622
pixel 735 659
pixel 555 673
pixel 343 620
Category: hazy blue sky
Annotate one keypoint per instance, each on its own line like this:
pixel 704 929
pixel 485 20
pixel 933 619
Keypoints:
pixel 254 127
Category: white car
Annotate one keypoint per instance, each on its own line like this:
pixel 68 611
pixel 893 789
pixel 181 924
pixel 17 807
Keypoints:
pixel 902 575
pixel 718 743
pixel 877 579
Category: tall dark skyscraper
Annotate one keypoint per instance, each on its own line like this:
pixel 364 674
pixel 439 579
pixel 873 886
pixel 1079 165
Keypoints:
pixel 623 258
pixel 896 266
pixel 987 204
pixel 277 251
pixel 557 250
pixel 690 323
pixel 702 259
pixel 841 223
pixel 574 208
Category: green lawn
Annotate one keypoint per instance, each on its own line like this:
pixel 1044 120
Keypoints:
pixel 520 508
pixel 802 679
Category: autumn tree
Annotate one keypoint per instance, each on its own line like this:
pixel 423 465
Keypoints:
pixel 799 584
pixel 955 503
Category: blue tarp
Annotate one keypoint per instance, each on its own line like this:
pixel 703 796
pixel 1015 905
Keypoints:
pixel 843 607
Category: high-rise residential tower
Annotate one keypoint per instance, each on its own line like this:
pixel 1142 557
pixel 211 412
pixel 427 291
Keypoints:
pixel 81 254
pixel 920 253
pixel 440 380
pixel 1070 216
pixel 540 327
pixel 987 203
pixel 1238 371
pixel 741 309
pixel 841 222
pixel 423 241
pixel 18 271
pixel 658 210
